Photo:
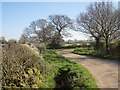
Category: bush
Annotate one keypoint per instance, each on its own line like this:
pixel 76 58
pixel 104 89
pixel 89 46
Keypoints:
pixel 2 40
pixel 115 49
pixel 12 41
pixel 22 67
pixel 54 45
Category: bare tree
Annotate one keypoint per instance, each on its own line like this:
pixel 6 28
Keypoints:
pixel 46 30
pixel 61 23
pixel 26 35
pixel 39 31
pixel 87 24
pixel 23 39
pixel 109 23
pixel 100 21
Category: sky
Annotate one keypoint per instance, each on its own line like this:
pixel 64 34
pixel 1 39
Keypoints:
pixel 16 16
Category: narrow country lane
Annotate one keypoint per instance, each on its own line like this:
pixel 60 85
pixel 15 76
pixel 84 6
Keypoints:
pixel 105 72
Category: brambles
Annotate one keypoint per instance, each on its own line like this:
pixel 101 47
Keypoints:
pixel 22 67
pixel 12 41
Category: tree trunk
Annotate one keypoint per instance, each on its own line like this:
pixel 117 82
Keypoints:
pixel 59 38
pixel 97 46
pixel 107 46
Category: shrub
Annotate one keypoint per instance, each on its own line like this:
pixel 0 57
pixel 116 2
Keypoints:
pixel 12 41
pixel 22 67
pixel 41 47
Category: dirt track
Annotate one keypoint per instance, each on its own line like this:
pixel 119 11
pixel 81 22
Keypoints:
pixel 105 72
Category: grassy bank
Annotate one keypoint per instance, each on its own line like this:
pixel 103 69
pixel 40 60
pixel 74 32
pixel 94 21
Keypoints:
pixel 89 52
pixel 65 73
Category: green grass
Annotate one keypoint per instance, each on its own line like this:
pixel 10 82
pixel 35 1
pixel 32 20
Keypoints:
pixel 79 76
pixel 90 52
pixel 84 51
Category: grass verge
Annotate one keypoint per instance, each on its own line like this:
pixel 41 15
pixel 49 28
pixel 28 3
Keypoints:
pixel 89 52
pixel 64 73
